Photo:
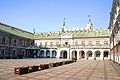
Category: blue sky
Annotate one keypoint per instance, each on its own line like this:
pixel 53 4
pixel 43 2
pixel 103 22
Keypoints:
pixel 48 15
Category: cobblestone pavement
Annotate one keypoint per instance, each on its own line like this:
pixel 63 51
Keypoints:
pixel 81 70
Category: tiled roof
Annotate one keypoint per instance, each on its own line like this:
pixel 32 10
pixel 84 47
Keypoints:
pixel 94 33
pixel 33 46
pixel 76 34
pixel 47 35
pixel 15 31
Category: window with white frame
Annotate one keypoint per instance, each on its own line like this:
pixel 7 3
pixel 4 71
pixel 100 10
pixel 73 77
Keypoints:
pixel 105 42
pixel 51 43
pixel 97 42
pixel 83 43
pixel 90 43
pixel 45 43
pixel 76 43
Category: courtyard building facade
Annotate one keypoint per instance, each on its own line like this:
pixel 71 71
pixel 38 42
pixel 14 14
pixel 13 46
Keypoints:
pixel 13 41
pixel 114 25
pixel 85 43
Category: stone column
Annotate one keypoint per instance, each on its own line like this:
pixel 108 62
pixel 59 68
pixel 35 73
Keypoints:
pixel 38 53
pixel 78 55
pixel 50 54
pixel 44 53
pixel 68 52
pixel 102 56
pixel 85 55
pixel 93 56
pixel 70 55
pixel 58 54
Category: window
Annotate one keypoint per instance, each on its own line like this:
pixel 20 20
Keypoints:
pixel 3 40
pixel 23 43
pixel 97 42
pixel 105 42
pixel 83 43
pixel 40 43
pixel 14 52
pixel 15 42
pixel 0 40
pixel 45 43
pixel 76 43
pixel 57 43
pixel 51 43
pixel 23 52
pixel 90 43
pixel 2 51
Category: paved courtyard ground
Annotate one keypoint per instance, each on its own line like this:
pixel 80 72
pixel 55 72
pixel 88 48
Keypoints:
pixel 81 70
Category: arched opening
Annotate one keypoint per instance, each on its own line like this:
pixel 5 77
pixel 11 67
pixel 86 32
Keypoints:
pixel 54 54
pixel 63 54
pixel 82 54
pixel 41 54
pixel 97 54
pixel 89 54
pixel 74 54
pixel 106 53
pixel 48 54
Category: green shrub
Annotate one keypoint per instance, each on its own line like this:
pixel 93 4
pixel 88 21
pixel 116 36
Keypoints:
pixel 74 59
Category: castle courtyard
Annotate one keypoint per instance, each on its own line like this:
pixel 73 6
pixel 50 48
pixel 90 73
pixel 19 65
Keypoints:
pixel 80 70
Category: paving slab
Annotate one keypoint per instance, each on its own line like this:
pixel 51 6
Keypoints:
pixel 80 70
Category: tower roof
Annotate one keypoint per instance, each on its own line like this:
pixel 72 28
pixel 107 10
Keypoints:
pixel 89 25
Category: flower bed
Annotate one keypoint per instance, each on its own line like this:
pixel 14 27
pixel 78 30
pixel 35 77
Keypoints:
pixel 28 69
pixel 21 70
pixel 33 68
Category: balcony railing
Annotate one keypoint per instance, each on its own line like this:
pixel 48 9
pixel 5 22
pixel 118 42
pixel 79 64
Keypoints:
pixel 78 46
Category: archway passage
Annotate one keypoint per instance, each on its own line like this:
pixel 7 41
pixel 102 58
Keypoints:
pixel 105 53
pixel 54 54
pixel 89 54
pixel 82 54
pixel 63 54
pixel 41 54
pixel 48 54
pixel 74 54
pixel 97 54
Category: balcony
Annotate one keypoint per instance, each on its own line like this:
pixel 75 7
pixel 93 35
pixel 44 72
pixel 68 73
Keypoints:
pixel 102 46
